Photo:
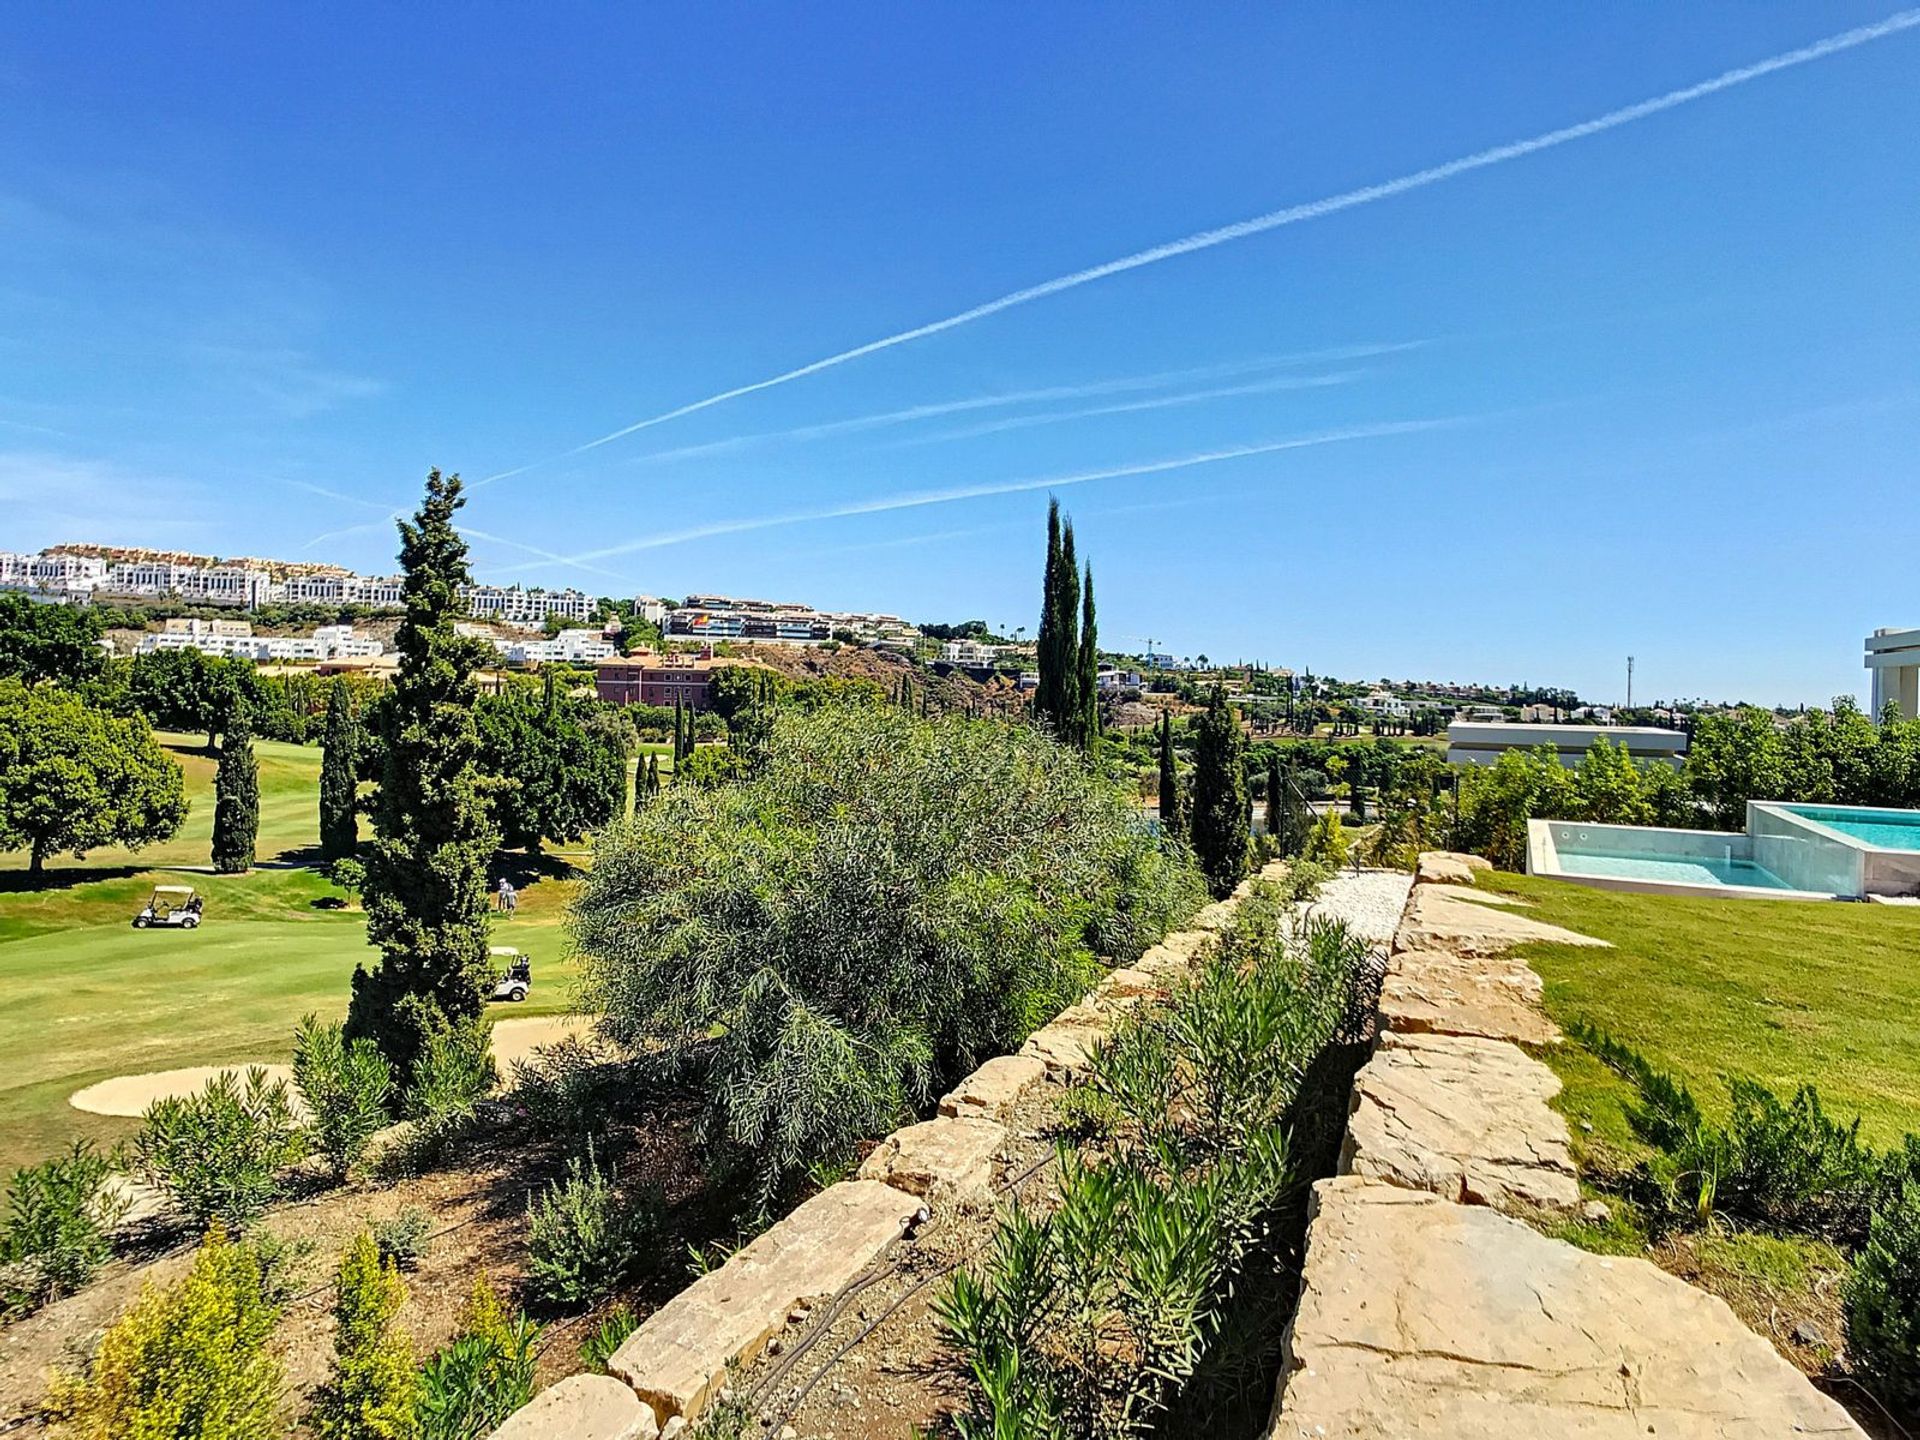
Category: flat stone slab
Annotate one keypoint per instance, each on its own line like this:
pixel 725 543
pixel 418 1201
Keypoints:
pixel 995 1086
pixel 582 1407
pixel 1430 992
pixel 1127 983
pixel 1420 1320
pixel 678 1359
pixel 1462 1117
pixel 1064 1045
pixel 949 1156
pixel 1448 867
pixel 1469 922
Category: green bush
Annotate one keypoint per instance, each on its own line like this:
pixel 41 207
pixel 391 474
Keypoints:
pixel 60 1219
pixel 607 1337
pixel 469 1389
pixel 584 1239
pixel 374 1388
pixel 1883 1303
pixel 402 1240
pixel 454 1073
pixel 219 1155
pixel 346 1086
pixel 886 901
pixel 564 1091
pixel 1088 1320
pixel 187 1360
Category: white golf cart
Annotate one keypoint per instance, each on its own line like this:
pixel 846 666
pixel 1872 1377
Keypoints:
pixel 175 906
pixel 515 978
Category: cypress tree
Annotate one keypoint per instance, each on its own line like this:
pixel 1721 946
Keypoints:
pixel 1067 719
pixel 1046 696
pixel 339 788
pixel 1276 802
pixel 1173 820
pixel 236 797
pixel 1087 731
pixel 426 887
pixel 1219 823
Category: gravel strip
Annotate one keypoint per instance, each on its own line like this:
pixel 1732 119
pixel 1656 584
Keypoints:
pixel 1368 900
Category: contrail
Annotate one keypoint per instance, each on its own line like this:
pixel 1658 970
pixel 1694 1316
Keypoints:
pixel 1292 215
pixel 916 499
pixel 525 548
pixel 1157 402
pixel 1117 385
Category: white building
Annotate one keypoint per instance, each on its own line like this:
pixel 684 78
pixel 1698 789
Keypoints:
pixel 1381 703
pixel 969 652
pixel 1893 660
pixel 57 574
pixel 1469 743
pixel 569 647
pixel 236 641
pixel 373 591
pixel 514 605
pixel 650 609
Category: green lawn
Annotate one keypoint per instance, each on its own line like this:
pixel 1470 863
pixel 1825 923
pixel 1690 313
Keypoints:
pixel 1784 991
pixel 88 997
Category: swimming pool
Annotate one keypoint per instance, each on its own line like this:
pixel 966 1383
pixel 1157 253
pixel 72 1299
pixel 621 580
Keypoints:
pixel 1880 829
pixel 1670 869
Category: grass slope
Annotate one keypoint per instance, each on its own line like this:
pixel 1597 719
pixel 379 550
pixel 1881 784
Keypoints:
pixel 88 997
pixel 1784 991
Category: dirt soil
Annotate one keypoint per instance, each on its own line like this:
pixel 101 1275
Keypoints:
pixel 898 1378
pixel 476 1203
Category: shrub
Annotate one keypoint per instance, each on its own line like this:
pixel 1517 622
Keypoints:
pixel 186 1360
pixel 583 1238
pixel 346 1086
pixel 1883 1303
pixel 563 1092
pixel 607 1337
pixel 885 902
pixel 219 1154
pixel 469 1389
pixel 1327 842
pixel 402 1240
pixel 374 1387
pixel 60 1219
pixel 453 1074
pixel 1088 1320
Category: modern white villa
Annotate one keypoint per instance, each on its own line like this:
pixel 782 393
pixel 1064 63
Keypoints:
pixel 1473 743
pixel 1893 660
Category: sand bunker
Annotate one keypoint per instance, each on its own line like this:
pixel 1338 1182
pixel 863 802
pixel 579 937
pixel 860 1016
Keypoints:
pixel 130 1095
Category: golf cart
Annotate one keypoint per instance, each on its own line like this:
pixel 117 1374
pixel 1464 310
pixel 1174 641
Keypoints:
pixel 172 905
pixel 516 979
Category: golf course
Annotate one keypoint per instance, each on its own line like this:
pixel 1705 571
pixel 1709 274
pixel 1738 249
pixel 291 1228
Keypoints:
pixel 88 997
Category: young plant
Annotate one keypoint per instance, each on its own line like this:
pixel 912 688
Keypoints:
pixel 346 1086
pixel 469 1389
pixel 187 1359
pixel 402 1240
pixel 607 1337
pixel 583 1238
pixel 60 1219
pixel 374 1388
pixel 219 1155
pixel 454 1072
pixel 1883 1303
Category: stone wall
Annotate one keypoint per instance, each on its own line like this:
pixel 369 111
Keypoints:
pixel 672 1368
pixel 1429 1306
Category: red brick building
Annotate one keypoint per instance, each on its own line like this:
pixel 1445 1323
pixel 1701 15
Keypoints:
pixel 656 680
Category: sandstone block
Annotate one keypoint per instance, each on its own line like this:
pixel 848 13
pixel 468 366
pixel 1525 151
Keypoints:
pixel 679 1357
pixel 1470 922
pixel 991 1089
pixel 1430 992
pixel 1063 1048
pixel 1420 1319
pixel 1463 1117
pixel 582 1407
pixel 953 1155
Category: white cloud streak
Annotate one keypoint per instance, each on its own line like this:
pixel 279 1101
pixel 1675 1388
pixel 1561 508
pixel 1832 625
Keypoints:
pixel 1158 402
pixel 915 499
pixel 1117 385
pixel 527 549
pixel 1291 215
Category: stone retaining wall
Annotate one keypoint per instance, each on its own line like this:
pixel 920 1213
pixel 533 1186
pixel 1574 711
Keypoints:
pixel 1426 1311
pixel 672 1367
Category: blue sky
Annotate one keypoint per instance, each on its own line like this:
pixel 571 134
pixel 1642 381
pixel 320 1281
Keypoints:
pixel 1655 390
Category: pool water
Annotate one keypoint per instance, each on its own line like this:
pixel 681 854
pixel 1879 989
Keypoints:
pixel 1882 829
pixel 1681 869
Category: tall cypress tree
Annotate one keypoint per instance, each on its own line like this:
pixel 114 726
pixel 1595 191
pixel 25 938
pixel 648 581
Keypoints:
pixel 1219 823
pixel 1276 800
pixel 1046 698
pixel 1067 719
pixel 1173 819
pixel 236 797
pixel 426 887
pixel 339 765
pixel 1087 674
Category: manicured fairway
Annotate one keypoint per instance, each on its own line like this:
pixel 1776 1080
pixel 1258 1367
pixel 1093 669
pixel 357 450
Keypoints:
pixel 87 997
pixel 1787 992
